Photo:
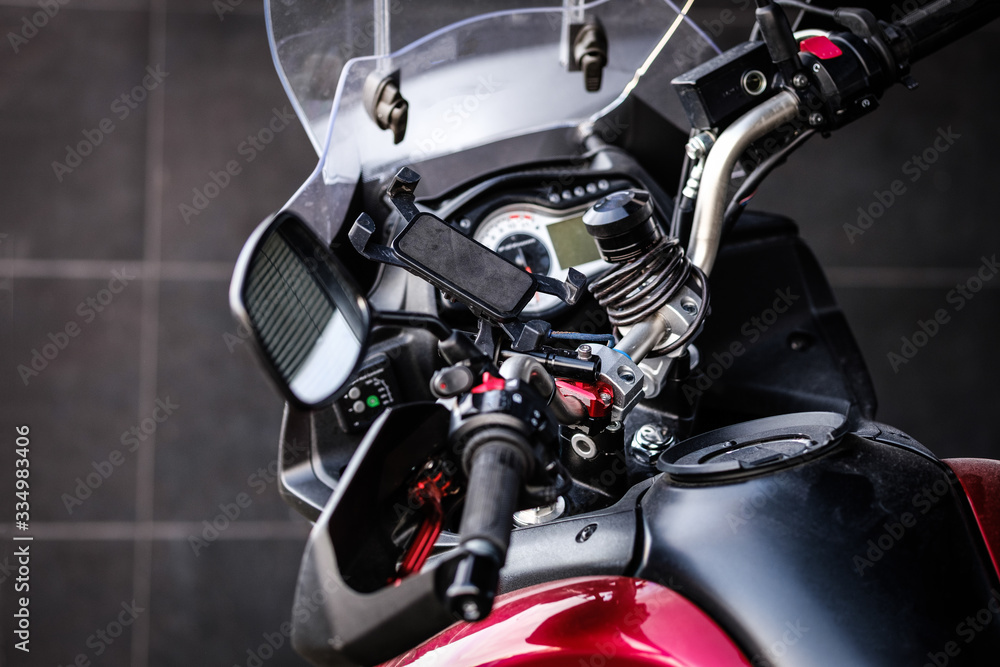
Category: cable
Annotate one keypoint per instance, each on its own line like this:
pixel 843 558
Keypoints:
pixel 807 8
pixel 803 7
pixel 746 190
pixel 635 291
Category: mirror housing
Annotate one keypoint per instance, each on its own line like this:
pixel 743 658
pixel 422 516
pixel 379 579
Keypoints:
pixel 307 320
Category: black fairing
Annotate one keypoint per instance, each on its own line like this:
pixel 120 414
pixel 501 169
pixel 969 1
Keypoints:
pixel 804 358
pixel 851 558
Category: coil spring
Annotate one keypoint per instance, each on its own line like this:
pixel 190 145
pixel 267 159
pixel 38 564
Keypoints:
pixel 634 291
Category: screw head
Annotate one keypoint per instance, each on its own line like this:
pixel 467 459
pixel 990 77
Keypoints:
pixel 470 610
pixel 586 532
pixel 584 352
pixel 816 118
pixel 800 80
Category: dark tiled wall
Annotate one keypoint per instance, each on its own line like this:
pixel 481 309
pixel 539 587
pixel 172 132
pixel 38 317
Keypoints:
pixel 144 351
pixel 116 528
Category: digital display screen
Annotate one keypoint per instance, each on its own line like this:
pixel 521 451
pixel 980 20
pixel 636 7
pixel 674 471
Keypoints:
pixel 573 245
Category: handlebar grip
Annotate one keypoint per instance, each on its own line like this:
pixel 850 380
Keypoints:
pixel 497 462
pixel 496 470
pixel 942 22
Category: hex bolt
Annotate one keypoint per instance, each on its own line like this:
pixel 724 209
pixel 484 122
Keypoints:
pixel 583 352
pixel 800 80
pixel 815 119
pixel 650 441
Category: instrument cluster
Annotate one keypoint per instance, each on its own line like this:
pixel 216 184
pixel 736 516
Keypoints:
pixel 542 232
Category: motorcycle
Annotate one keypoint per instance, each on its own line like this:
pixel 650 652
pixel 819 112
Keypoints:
pixel 540 411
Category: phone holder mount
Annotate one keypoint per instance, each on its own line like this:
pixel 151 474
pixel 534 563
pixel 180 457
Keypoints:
pixel 493 288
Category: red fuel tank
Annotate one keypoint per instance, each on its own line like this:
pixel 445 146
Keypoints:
pixel 583 622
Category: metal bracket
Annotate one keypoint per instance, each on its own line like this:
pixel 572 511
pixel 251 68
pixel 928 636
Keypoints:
pixel 467 261
pixel 589 52
pixel 385 104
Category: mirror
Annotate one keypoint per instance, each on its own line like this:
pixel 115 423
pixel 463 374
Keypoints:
pixel 308 320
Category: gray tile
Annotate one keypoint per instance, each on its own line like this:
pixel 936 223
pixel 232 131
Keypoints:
pixel 944 393
pixel 82 402
pixel 226 602
pixel 80 603
pixel 58 90
pixel 226 430
pixel 224 90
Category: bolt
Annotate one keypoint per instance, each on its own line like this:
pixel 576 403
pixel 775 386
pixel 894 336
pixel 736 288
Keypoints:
pixel 650 441
pixel 815 119
pixel 816 67
pixel 800 341
pixel 583 352
pixel 800 80
pixel 470 610
pixel 698 146
pixel 586 532
pixel 606 397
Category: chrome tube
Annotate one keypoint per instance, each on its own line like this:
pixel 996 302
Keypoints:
pixel 706 233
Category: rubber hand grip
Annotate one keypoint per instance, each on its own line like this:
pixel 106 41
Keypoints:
pixel 496 472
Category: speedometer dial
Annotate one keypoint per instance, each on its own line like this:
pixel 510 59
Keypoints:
pixel 525 235
pixel 526 251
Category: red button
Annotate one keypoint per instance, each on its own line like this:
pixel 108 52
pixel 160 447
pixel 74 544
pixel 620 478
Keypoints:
pixel 821 47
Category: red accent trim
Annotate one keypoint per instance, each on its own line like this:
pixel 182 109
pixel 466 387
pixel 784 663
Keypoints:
pixel 980 479
pixel 490 383
pixel 427 533
pixel 588 394
pixel 589 620
pixel 821 47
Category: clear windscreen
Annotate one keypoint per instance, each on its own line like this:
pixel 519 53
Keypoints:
pixel 472 72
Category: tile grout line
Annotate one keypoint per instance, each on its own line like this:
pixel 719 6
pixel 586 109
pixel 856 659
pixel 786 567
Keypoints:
pixel 175 531
pixel 142 560
pixel 89 269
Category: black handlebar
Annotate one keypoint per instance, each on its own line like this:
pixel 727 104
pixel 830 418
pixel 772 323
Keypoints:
pixel 497 461
pixel 496 471
pixel 940 23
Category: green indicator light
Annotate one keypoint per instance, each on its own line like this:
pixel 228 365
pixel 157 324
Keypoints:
pixel 372 401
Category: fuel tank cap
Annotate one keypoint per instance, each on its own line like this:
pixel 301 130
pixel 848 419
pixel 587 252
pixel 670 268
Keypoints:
pixel 753 447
